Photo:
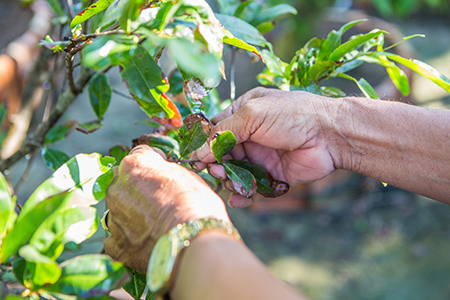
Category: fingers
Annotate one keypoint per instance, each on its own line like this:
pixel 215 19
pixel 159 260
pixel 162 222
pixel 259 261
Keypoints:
pixel 234 107
pixel 240 123
pixel 146 150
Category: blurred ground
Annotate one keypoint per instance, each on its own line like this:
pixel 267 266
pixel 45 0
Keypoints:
pixel 349 238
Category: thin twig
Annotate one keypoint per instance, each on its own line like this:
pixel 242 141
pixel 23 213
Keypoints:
pixel 158 55
pixel 83 38
pixel 180 160
pixel 70 11
pixel 122 94
pixel 25 173
pixel 69 73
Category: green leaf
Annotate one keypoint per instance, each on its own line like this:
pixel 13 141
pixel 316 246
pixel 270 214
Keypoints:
pixel 101 185
pixel 212 102
pixel 262 181
pixel 363 85
pixel 191 139
pixel 334 37
pixel 147 85
pixel 7 208
pixel 222 145
pixel 92 10
pixel 118 152
pixel 19 266
pixel 137 285
pixel 107 51
pixel 352 44
pixel 397 75
pixel 166 13
pixel 193 60
pixel 54 158
pixel 273 12
pixel 320 69
pixel 29 220
pixel 80 172
pixel 348 66
pixel 57 8
pixel 331 92
pixel 111 15
pixel 233 41
pixel 3 112
pixel 100 92
pixel 58 133
pixel 399 79
pixel 243 30
pixel 72 224
pixel 240 175
pixel 40 269
pixel 404 39
pixel 421 68
pixel 130 13
pixel 89 275
pixel 57 46
pixel 89 127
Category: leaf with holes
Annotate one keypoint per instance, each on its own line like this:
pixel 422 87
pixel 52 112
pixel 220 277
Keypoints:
pixel 262 181
pixel 243 180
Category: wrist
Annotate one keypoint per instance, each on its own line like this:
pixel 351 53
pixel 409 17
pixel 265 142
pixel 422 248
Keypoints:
pixel 331 116
pixel 167 251
pixel 200 263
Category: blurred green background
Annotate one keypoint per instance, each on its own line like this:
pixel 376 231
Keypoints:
pixel 347 236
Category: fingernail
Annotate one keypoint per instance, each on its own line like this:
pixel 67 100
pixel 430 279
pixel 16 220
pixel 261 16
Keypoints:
pixel 203 151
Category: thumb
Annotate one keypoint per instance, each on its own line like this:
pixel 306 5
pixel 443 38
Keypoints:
pixel 240 123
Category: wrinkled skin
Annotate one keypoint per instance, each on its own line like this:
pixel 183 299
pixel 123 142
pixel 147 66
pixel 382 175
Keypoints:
pixel 272 131
pixel 148 197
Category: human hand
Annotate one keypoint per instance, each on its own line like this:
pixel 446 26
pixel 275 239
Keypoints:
pixel 281 131
pixel 148 197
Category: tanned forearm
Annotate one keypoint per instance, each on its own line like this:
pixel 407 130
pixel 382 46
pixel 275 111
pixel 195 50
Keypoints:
pixel 403 145
pixel 216 266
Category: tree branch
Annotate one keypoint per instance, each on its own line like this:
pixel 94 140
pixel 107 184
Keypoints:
pixel 38 136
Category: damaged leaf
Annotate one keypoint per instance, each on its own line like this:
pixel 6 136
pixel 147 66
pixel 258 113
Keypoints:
pixel 243 181
pixel 147 85
pixel 191 139
pixel 168 145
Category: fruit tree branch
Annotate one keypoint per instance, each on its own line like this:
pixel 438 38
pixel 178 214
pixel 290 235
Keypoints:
pixel 38 136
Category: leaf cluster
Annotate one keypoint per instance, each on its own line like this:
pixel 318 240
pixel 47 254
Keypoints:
pixel 55 219
pixel 320 59
pixel 133 36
